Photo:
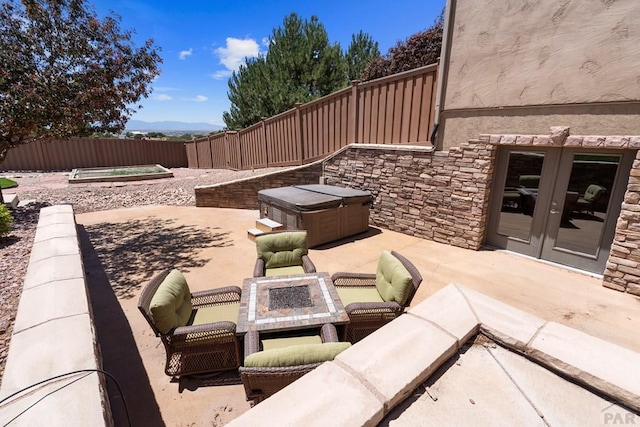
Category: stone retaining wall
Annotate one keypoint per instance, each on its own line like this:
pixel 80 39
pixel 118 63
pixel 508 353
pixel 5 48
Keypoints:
pixel 444 195
pixel 53 335
pixel 436 195
pixel 623 267
pixel 243 193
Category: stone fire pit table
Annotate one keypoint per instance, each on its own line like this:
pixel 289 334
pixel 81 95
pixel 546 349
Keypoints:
pixel 288 303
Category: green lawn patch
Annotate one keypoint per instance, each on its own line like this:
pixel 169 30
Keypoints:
pixel 121 173
pixel 7 183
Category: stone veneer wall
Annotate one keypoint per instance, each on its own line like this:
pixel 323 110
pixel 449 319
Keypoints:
pixel 441 196
pixel 623 267
pixel 243 193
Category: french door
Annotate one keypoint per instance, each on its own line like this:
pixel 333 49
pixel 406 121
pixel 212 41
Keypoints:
pixel 560 205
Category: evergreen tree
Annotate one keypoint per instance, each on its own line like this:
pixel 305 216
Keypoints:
pixel 249 93
pixel 301 65
pixel 360 53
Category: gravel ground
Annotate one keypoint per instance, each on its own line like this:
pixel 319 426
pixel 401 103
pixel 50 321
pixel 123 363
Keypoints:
pixel 48 189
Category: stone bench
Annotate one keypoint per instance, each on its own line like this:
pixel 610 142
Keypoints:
pixel 358 389
pixel 54 336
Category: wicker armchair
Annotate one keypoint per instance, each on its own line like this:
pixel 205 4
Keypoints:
pixel 263 381
pixel 205 339
pixel 361 294
pixel 591 196
pixel 282 253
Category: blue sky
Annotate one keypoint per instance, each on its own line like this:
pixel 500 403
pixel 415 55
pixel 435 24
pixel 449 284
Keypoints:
pixel 203 41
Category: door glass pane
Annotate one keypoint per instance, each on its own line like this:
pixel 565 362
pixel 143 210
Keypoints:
pixel 520 194
pixel 586 203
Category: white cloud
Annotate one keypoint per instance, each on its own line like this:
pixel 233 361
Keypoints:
pixel 162 97
pixel 185 53
pixel 222 74
pixel 234 54
pixel 199 98
pixel 266 41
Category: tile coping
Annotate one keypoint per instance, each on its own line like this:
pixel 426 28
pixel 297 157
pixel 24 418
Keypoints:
pixel 453 314
pixel 255 312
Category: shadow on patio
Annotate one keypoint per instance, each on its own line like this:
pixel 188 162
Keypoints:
pixel 125 248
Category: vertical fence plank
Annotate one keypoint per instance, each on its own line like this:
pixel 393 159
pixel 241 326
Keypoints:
pixel 366 109
pixel 382 111
pixel 428 99
pixel 354 101
pixel 405 122
pixel 397 112
pixel 295 132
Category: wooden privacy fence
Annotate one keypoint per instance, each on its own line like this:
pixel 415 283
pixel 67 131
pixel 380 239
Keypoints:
pixel 94 152
pixel 397 109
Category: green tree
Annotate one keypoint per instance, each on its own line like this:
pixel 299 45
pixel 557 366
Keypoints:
pixel 64 72
pixel 420 49
pixel 249 93
pixel 301 65
pixel 360 53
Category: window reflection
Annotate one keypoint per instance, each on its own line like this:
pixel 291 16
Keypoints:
pixel 590 183
pixel 520 194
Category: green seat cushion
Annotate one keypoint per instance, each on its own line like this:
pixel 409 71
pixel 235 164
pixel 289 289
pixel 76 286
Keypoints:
pixel 217 313
pixel 273 343
pixel 304 354
pixel 349 294
pixel 393 281
pixel 284 271
pixel 171 304
pixel 282 249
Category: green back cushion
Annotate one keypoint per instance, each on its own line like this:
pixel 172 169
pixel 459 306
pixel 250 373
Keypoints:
pixel 529 181
pixel 282 249
pixel 171 305
pixel 304 354
pixel 593 193
pixel 349 294
pixel 218 313
pixel 393 281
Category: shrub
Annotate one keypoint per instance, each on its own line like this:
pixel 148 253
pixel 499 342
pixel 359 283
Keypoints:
pixel 418 50
pixel 5 220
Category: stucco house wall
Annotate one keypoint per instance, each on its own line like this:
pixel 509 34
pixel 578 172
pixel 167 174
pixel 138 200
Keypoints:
pixel 521 66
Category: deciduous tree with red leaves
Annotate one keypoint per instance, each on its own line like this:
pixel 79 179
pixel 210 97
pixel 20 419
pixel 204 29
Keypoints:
pixel 418 50
pixel 65 72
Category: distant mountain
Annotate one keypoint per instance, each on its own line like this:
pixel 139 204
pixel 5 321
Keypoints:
pixel 140 125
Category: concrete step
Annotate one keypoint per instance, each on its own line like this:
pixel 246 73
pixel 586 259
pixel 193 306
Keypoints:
pixel 26 202
pixel 11 200
pixel 267 225
pixel 252 233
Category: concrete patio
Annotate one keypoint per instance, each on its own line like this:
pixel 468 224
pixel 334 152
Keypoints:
pixel 211 247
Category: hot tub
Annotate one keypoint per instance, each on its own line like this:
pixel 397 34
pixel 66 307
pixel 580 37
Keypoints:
pixel 326 212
